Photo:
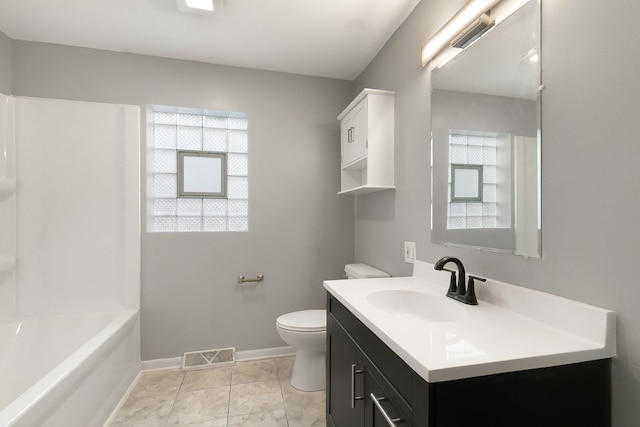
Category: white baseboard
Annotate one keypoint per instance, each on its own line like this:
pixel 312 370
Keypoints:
pixel 171 363
pixel 263 353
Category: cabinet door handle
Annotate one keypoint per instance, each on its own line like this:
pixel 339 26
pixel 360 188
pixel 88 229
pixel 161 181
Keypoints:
pixel 354 371
pixel 390 421
pixel 350 137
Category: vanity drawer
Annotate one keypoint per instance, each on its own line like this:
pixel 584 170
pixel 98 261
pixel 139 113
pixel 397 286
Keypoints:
pixel 390 403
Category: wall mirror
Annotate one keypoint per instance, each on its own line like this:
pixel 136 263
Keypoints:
pixel 202 174
pixel 485 106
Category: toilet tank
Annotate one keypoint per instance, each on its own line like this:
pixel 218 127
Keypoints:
pixel 363 271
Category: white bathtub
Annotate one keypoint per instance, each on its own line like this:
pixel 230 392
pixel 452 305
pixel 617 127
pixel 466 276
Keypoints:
pixel 66 370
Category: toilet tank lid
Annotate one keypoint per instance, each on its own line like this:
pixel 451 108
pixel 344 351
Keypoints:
pixel 364 271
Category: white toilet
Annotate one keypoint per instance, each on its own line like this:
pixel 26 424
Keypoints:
pixel 306 330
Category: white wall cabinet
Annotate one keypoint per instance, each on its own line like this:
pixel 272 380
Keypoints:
pixel 367 143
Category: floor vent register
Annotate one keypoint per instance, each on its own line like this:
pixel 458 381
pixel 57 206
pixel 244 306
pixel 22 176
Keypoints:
pixel 209 358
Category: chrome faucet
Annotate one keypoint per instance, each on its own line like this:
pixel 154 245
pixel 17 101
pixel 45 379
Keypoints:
pixel 459 291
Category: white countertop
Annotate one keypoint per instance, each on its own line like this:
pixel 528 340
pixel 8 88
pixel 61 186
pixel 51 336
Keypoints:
pixel 512 329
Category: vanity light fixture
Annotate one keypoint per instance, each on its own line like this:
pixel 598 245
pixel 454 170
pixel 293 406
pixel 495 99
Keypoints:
pixel 474 31
pixel 466 26
pixel 200 7
pixel 461 20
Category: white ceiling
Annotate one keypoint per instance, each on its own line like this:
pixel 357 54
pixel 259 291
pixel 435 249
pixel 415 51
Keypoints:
pixel 328 38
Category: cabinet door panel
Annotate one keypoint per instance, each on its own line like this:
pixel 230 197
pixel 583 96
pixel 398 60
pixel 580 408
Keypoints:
pixel 361 137
pixel 346 139
pixel 345 378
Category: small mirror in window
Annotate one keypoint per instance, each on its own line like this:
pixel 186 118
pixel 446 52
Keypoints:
pixel 466 183
pixel 202 174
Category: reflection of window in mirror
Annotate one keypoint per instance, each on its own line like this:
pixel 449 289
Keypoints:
pixel 202 174
pixel 482 160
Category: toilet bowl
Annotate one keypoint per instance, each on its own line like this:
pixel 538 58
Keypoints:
pixel 306 330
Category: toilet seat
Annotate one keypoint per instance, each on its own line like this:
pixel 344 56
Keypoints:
pixel 304 321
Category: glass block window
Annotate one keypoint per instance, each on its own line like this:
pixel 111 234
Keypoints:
pixel 467 148
pixel 171 129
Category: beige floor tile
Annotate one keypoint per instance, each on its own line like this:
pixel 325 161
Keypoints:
pixel 198 406
pixel 206 378
pixel 284 366
pixel 144 411
pixel 255 397
pixel 158 382
pixel 263 419
pixel 261 396
pixel 307 416
pixel 254 371
pixel 294 397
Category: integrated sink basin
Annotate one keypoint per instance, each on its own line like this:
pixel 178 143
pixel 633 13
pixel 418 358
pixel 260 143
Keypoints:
pixel 416 305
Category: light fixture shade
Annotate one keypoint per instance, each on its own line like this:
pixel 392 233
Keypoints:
pixel 200 4
pixel 461 20
pixel 473 32
pixel 200 7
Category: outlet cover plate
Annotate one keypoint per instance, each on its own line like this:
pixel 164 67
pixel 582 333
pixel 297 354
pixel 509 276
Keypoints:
pixel 409 252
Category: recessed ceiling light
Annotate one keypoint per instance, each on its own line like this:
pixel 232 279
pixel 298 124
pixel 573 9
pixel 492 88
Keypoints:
pixel 202 7
pixel 200 4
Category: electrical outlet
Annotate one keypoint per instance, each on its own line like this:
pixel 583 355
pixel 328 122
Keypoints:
pixel 409 252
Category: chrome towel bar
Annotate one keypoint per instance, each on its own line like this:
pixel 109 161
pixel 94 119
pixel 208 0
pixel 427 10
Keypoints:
pixel 242 279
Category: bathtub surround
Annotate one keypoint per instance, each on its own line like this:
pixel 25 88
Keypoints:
pixel 77 204
pixel 70 347
pixel 590 208
pixel 5 64
pixel 7 209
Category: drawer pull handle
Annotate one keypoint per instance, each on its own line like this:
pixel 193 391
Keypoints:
pixel 354 371
pixel 390 421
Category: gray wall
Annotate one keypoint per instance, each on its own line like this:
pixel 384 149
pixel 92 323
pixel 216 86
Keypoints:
pixel 590 173
pixel 5 64
pixel 301 232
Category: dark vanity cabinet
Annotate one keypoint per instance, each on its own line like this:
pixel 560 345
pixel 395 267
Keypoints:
pixel 369 385
pixel 361 369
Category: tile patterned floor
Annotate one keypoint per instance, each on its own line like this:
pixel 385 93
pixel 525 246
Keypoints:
pixel 249 394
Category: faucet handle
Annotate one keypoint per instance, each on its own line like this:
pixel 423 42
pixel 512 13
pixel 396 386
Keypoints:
pixel 453 287
pixel 471 291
